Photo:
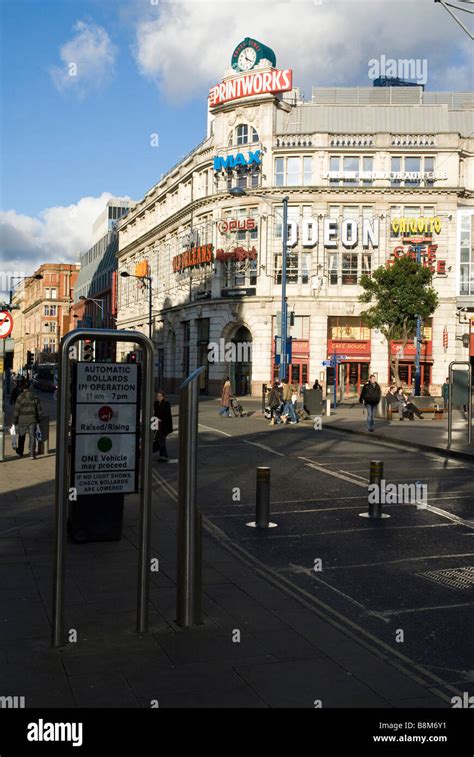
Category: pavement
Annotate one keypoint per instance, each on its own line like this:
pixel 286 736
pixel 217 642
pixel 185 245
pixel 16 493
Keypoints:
pixel 264 642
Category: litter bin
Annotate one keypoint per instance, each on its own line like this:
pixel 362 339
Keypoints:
pixel 314 401
pixel 94 517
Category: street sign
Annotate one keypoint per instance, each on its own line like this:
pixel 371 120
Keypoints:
pixel 327 363
pixel 6 324
pixel 105 430
pixel 341 357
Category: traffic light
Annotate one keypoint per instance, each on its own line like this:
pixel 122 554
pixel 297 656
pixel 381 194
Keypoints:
pixel 30 359
pixel 465 340
pixel 132 357
pixel 88 350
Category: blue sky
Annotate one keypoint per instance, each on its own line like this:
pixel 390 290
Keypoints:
pixel 144 67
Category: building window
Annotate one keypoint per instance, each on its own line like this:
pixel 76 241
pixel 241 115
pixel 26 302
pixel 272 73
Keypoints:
pixel 50 310
pixel 243 135
pixel 349 268
pixel 348 170
pixel 466 284
pixel 293 171
pixel 419 169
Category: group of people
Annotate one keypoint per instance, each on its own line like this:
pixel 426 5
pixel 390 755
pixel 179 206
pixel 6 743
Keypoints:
pixel 282 401
pixel 27 415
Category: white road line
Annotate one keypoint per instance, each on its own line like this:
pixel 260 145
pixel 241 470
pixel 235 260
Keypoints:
pixel 214 429
pixel 354 531
pixel 388 613
pixel 436 510
pixel 403 560
pixel 262 446
pixel 309 572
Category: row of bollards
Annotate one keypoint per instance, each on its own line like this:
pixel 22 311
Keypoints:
pixel 262 498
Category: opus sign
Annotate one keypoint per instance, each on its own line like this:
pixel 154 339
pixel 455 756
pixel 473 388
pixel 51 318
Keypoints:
pixel 105 428
pixel 233 224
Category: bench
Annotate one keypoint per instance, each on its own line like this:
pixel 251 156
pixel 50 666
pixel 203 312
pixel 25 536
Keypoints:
pixel 434 405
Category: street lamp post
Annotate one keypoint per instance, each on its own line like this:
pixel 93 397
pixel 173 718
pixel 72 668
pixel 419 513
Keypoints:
pixel 240 192
pixel 98 303
pixel 417 388
pixel 149 280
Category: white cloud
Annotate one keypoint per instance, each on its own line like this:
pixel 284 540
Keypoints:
pixel 58 234
pixel 186 45
pixel 88 60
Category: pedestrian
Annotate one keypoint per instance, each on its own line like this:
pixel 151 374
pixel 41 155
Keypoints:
pixel 225 399
pixel 26 414
pixel 370 397
pixel 394 401
pixel 17 389
pixel 162 411
pixel 317 386
pixel 412 409
pixel 288 409
pixel 445 393
pixel 274 402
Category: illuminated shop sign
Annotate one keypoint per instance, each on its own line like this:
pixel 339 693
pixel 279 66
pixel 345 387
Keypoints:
pixel 247 85
pixel 428 257
pixel 392 175
pixel 238 254
pixel 236 224
pixel 233 161
pixel 416 225
pixel 193 258
pixel 348 233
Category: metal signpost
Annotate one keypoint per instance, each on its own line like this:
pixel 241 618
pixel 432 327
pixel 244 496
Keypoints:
pixel 103 411
pixel 6 326
pixel 333 362
pixel 461 392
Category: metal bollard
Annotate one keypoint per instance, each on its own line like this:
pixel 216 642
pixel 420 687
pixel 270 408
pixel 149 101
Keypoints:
pixel 375 477
pixel 262 502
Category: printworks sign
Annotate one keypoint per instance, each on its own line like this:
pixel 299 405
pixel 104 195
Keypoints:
pixel 193 258
pixel 257 82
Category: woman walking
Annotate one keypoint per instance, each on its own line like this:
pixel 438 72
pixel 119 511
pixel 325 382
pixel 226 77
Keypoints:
pixel 162 410
pixel 225 399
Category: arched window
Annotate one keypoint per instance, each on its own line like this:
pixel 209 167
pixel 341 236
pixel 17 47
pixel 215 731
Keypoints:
pixel 243 135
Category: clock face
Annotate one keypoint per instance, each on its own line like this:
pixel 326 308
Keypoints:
pixel 247 59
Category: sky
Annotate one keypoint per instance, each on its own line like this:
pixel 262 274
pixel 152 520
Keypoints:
pixel 88 84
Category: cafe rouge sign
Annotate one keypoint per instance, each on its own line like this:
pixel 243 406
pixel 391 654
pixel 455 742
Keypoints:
pixel 193 258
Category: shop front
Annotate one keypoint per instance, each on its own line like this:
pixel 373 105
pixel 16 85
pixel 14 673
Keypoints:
pixel 406 366
pixel 349 338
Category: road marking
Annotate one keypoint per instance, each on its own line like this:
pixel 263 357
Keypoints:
pixel 403 560
pixel 354 531
pixel 389 613
pixel 310 572
pixel 262 446
pixel 436 510
pixel 214 429
pixel 329 614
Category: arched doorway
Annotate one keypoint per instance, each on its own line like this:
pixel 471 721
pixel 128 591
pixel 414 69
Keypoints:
pixel 241 367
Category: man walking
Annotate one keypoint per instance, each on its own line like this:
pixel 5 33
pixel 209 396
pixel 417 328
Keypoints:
pixel 370 397
pixel 26 414
pixel 445 393
pixel 162 410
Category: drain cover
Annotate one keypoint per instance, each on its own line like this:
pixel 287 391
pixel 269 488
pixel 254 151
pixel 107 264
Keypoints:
pixel 457 578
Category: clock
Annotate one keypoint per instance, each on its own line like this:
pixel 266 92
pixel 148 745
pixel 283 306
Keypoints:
pixel 247 59
pixel 249 53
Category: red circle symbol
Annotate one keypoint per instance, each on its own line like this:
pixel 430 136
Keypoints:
pixel 106 414
pixel 6 324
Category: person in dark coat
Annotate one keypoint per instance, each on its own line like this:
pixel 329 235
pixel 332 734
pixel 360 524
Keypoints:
pixel 162 410
pixel 26 414
pixel 370 397
pixel 17 390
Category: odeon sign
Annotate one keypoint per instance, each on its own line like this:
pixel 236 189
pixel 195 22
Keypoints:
pixel 349 231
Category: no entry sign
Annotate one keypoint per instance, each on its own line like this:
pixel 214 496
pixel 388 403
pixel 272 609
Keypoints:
pixel 6 324
pixel 105 433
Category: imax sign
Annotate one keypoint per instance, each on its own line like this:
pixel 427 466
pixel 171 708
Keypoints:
pixel 232 161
